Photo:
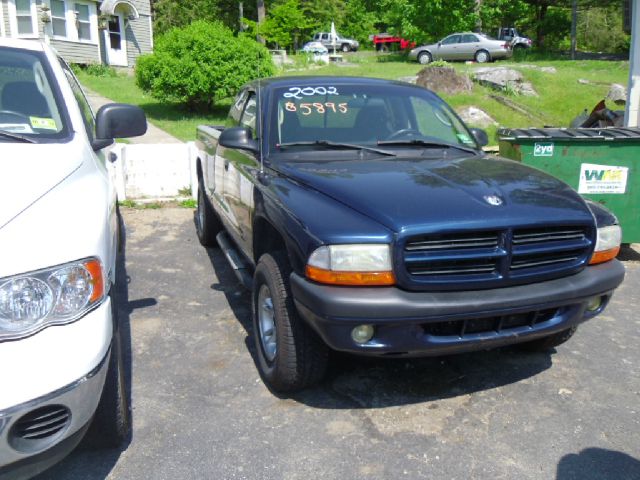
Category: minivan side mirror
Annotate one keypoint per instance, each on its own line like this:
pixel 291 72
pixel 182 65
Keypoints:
pixel 118 120
pixel 240 138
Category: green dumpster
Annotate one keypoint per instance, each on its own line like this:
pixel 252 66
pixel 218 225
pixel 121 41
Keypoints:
pixel 600 163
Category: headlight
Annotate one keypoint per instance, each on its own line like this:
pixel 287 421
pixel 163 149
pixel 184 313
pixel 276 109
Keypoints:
pixel 362 264
pixel 607 245
pixel 56 295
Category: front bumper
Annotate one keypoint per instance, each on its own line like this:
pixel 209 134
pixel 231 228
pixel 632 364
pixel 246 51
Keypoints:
pixel 426 323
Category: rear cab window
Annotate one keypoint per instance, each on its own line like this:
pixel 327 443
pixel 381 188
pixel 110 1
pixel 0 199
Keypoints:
pixel 30 99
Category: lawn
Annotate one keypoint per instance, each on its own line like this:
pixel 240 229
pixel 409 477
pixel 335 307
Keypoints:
pixel 561 96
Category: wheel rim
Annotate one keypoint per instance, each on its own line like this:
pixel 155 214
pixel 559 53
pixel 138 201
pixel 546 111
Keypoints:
pixel 424 58
pixel 267 323
pixel 482 57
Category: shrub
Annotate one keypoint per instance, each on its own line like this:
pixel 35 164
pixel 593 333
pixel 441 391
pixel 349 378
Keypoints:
pixel 200 64
pixel 99 70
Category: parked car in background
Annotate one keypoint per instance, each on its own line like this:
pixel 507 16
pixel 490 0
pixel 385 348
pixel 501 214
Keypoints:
pixel 510 34
pixel 61 353
pixel 315 47
pixel 342 43
pixel 463 46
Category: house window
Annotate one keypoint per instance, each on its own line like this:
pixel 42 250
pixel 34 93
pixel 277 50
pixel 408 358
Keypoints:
pixel 83 22
pixel 25 16
pixel 58 18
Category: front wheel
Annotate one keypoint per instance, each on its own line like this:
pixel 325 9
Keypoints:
pixel 482 56
pixel 547 343
pixel 345 48
pixel 290 355
pixel 207 222
pixel 424 58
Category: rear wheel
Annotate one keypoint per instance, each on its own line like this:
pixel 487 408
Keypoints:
pixel 290 355
pixel 482 56
pixel 547 343
pixel 345 47
pixel 207 222
pixel 424 58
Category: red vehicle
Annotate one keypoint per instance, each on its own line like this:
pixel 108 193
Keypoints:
pixel 386 41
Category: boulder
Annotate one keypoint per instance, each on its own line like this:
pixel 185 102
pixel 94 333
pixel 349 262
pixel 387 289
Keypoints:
pixel 475 117
pixel 503 78
pixel 443 80
pixel 617 94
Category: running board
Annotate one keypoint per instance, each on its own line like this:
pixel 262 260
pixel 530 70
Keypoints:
pixel 236 261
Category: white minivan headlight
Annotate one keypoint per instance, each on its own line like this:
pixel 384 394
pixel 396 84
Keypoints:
pixel 32 301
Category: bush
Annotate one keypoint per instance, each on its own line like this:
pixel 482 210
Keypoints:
pixel 200 64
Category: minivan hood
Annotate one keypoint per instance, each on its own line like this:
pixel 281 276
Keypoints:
pixel 405 194
pixel 28 171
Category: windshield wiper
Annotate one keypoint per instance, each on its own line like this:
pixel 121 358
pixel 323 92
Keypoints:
pixel 338 145
pixel 428 143
pixel 15 136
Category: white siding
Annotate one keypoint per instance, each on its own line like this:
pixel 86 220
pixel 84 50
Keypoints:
pixel 74 52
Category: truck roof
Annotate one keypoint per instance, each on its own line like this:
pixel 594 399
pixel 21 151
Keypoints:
pixel 34 45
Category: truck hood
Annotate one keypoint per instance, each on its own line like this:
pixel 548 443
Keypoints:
pixel 405 194
pixel 29 171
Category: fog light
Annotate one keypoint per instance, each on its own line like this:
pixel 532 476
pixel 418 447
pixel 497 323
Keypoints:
pixel 594 303
pixel 362 333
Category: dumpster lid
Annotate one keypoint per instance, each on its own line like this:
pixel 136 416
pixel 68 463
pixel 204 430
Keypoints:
pixel 608 133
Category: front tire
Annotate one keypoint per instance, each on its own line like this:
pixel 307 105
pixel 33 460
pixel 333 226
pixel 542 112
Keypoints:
pixel 547 343
pixel 345 48
pixel 290 355
pixel 424 58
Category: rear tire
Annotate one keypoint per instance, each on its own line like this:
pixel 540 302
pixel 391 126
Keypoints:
pixel 424 58
pixel 482 56
pixel 547 343
pixel 345 48
pixel 291 357
pixel 207 222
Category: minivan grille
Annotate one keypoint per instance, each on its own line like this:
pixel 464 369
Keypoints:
pixel 495 256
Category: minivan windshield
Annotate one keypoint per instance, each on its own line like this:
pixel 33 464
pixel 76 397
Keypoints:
pixel 382 116
pixel 29 110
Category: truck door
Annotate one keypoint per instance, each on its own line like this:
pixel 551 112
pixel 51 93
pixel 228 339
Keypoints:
pixel 240 169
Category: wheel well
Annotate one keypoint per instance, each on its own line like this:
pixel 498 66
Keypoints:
pixel 266 239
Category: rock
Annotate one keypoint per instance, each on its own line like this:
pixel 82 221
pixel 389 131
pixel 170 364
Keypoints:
pixel 503 78
pixel 410 79
pixel 583 81
pixel 617 94
pixel 536 67
pixel 475 117
pixel 548 70
pixel 443 80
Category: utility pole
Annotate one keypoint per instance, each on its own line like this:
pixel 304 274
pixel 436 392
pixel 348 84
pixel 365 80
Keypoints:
pixel 261 17
pixel 632 112
pixel 574 26
pixel 241 9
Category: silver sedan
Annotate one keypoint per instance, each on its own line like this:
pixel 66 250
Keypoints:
pixel 463 46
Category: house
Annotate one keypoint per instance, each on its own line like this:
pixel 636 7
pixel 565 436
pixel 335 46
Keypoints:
pixel 109 32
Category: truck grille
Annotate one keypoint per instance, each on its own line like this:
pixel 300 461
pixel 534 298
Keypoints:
pixel 497 324
pixel 496 257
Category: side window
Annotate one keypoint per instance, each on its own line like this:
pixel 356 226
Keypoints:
pixel 236 109
pixel 469 39
pixel 325 36
pixel 85 108
pixel 248 118
pixel 451 40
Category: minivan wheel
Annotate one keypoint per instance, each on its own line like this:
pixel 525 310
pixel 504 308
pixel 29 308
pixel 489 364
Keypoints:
pixel 482 56
pixel 290 355
pixel 424 58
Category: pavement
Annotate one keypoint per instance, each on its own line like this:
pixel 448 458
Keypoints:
pixel 154 134
pixel 200 410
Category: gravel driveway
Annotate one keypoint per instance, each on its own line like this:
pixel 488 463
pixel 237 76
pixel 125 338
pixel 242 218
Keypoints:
pixel 200 410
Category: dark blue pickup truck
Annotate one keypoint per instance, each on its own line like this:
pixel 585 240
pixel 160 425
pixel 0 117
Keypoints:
pixel 365 218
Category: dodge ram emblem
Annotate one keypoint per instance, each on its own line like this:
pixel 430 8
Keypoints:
pixel 494 200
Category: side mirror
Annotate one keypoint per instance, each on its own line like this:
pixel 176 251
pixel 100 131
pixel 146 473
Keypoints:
pixel 240 138
pixel 480 136
pixel 439 44
pixel 118 120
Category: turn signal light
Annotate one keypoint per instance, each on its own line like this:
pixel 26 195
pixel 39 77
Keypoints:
pixel 604 256
pixel 366 279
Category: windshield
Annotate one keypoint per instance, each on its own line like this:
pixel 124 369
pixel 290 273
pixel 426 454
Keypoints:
pixel 367 115
pixel 28 106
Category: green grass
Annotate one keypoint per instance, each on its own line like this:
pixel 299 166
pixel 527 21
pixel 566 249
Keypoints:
pixel 561 96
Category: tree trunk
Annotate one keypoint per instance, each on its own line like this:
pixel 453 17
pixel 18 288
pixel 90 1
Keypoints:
pixel 574 24
pixel 540 31
pixel 261 17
